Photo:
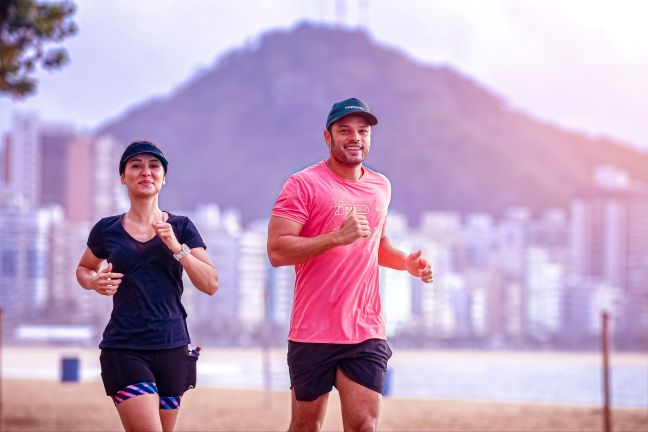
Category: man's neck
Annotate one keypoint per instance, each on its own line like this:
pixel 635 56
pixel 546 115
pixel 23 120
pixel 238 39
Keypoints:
pixel 347 172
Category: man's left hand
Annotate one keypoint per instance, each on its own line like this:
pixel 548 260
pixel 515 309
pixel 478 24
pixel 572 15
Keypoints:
pixel 419 267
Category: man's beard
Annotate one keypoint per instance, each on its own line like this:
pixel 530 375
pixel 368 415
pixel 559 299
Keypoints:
pixel 340 156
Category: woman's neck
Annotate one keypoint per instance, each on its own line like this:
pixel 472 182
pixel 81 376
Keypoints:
pixel 144 211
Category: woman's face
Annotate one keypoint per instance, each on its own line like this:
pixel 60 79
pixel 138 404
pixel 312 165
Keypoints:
pixel 143 175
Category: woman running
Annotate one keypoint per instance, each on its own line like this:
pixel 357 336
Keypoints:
pixel 145 362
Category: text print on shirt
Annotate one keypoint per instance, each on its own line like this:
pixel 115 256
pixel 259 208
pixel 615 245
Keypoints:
pixel 343 208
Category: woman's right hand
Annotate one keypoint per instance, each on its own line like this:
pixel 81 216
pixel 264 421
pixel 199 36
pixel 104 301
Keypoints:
pixel 105 282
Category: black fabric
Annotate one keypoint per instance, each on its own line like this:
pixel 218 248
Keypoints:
pixel 142 147
pixel 173 370
pixel 312 366
pixel 147 312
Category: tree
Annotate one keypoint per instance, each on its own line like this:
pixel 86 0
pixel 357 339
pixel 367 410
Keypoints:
pixel 26 26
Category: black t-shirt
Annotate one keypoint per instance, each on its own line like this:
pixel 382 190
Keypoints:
pixel 147 312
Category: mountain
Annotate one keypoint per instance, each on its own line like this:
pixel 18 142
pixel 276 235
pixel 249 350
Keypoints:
pixel 235 132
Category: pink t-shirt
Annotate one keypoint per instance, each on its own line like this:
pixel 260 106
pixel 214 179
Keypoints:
pixel 337 297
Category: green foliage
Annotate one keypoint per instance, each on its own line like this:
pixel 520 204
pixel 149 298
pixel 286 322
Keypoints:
pixel 26 26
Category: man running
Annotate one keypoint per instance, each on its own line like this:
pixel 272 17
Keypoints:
pixel 330 222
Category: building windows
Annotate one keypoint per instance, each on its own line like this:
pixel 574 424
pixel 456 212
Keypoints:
pixel 36 264
pixel 9 263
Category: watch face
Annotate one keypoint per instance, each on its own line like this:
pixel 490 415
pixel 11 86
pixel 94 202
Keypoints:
pixel 185 251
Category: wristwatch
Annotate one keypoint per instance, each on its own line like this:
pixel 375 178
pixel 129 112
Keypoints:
pixel 185 251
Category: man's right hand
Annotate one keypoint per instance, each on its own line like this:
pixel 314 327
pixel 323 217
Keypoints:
pixel 105 282
pixel 353 227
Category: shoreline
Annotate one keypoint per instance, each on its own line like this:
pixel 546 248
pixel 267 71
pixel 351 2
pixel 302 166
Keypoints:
pixel 539 378
pixel 625 357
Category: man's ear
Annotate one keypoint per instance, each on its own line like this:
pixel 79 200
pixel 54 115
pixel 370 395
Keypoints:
pixel 327 137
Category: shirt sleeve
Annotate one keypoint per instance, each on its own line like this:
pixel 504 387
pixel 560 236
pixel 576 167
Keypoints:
pixel 293 202
pixel 96 241
pixel 190 236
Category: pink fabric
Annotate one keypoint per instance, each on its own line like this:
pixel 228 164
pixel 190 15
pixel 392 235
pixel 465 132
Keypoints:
pixel 337 297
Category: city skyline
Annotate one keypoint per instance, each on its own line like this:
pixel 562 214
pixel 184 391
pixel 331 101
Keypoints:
pixel 515 280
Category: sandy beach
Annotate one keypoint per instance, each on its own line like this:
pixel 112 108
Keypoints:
pixel 39 405
pixel 34 399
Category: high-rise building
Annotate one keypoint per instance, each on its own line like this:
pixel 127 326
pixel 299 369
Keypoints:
pixel 609 247
pixel 280 299
pixel 24 160
pixel 479 232
pixel 551 230
pixel 24 261
pixel 511 238
pixel 80 173
pixel 80 187
pixel 216 317
pixel 55 165
pixel 396 286
pixel 108 195
pixel 253 276
pixel 545 281
pixel 55 153
pixel 488 303
pixel 442 241
pixel 5 145
pixel 513 311
pixel 451 307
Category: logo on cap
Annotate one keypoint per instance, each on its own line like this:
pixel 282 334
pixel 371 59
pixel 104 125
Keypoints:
pixel 348 107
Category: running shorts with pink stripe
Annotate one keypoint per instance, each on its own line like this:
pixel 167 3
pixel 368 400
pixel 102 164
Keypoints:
pixel 131 373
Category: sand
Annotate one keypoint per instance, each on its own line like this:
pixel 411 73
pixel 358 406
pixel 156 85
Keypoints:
pixel 46 405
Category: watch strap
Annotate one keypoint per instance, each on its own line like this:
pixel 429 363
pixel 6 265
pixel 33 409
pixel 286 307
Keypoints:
pixel 184 252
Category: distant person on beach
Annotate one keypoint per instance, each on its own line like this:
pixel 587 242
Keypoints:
pixel 330 222
pixel 146 365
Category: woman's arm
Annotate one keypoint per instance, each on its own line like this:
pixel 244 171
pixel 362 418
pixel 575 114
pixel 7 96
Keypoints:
pixel 200 270
pixel 197 264
pixel 91 278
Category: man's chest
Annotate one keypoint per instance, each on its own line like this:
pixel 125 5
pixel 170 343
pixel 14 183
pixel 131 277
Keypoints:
pixel 331 206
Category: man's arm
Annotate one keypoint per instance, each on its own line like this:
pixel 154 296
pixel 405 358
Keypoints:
pixel 389 256
pixel 414 263
pixel 287 247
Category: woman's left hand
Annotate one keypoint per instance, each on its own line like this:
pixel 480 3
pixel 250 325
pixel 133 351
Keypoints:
pixel 164 230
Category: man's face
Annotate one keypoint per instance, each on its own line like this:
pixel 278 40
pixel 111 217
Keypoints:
pixel 349 140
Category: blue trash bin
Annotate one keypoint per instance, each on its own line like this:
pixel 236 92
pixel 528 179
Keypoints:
pixel 70 369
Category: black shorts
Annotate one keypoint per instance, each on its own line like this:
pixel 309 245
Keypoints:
pixel 312 366
pixel 173 370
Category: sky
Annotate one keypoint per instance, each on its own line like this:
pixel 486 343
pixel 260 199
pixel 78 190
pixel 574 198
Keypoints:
pixel 578 64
